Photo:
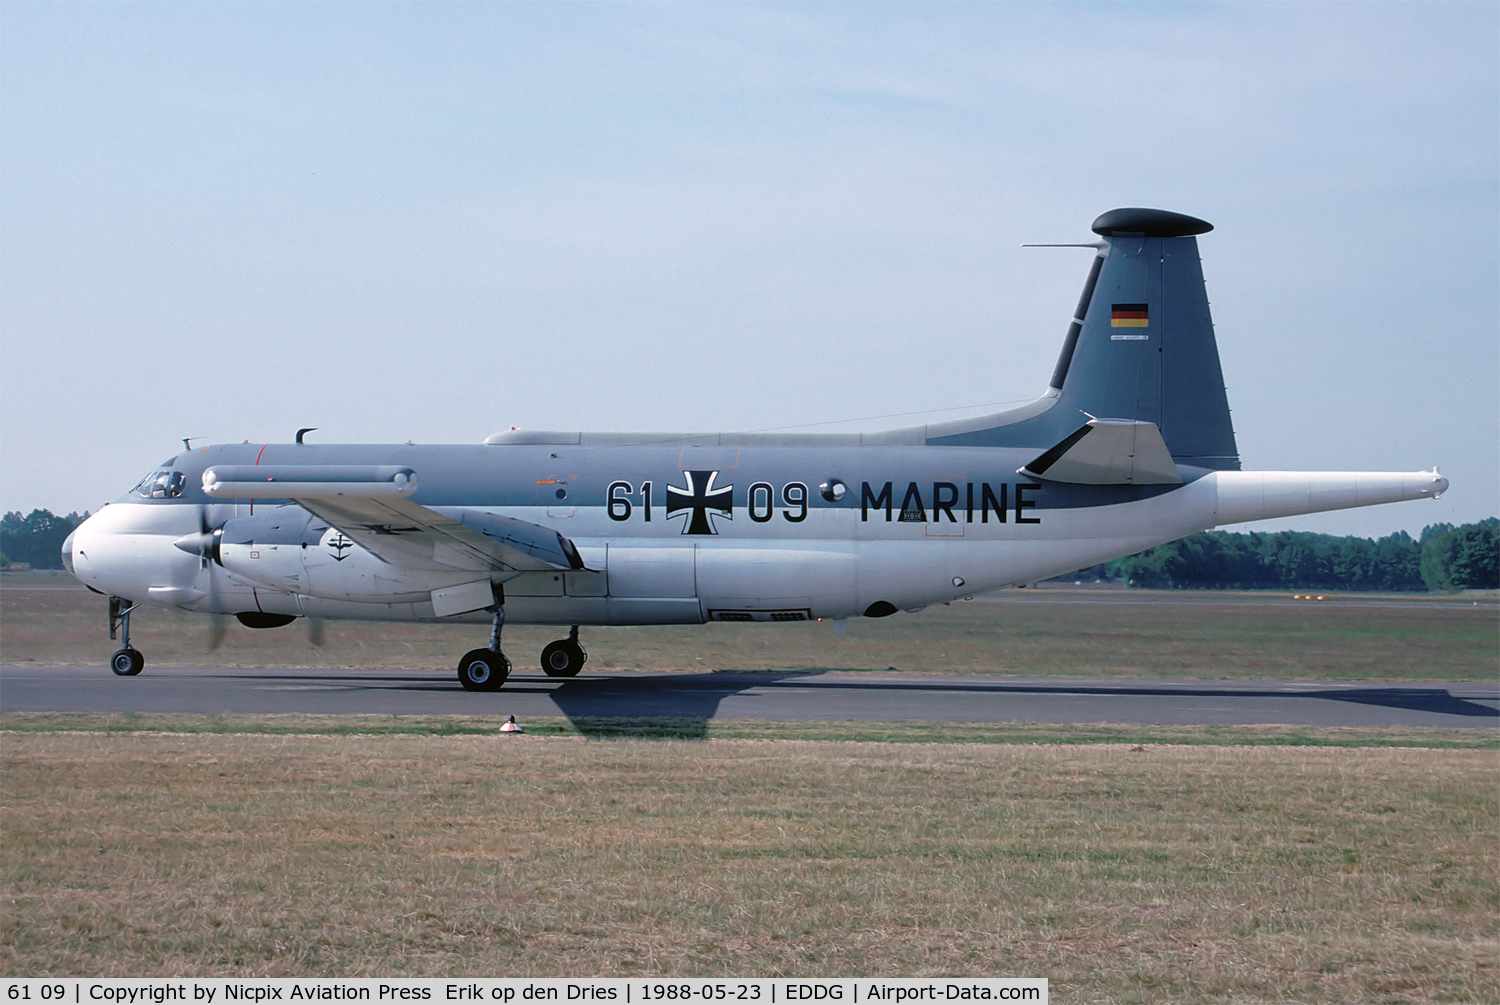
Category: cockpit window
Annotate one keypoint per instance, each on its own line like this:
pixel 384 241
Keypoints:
pixel 161 485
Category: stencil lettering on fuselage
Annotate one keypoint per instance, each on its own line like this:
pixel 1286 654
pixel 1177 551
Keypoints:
pixel 942 506
pixel 702 501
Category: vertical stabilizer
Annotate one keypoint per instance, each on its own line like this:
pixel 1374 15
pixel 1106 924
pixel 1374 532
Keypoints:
pixel 1141 346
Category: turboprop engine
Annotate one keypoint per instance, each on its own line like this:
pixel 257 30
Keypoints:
pixel 297 553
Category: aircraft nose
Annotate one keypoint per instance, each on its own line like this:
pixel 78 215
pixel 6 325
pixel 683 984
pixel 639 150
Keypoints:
pixel 76 548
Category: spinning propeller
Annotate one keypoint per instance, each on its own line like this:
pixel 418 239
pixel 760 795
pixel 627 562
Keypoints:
pixel 206 544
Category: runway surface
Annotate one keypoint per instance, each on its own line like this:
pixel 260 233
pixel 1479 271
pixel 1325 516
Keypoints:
pixel 771 695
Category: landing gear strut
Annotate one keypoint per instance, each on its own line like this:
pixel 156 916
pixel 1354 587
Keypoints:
pixel 128 661
pixel 565 657
pixel 486 669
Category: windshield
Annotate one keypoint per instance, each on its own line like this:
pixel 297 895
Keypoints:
pixel 163 484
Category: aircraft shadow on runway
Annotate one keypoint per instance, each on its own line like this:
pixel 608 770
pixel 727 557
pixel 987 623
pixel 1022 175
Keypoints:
pixel 657 706
pixel 679 706
pixel 667 706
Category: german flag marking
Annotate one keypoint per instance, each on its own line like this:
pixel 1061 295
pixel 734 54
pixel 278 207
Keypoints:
pixel 1129 316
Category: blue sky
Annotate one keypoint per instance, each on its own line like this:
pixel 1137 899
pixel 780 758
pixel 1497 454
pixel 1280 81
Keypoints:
pixel 434 221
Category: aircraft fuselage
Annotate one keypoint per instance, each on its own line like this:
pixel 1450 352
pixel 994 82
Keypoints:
pixel 677 532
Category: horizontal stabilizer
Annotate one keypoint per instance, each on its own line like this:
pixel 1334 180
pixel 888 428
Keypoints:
pixel 1109 452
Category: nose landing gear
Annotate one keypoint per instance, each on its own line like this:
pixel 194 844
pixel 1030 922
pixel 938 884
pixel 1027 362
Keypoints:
pixel 128 661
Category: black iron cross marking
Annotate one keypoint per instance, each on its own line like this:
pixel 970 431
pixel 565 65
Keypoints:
pixel 700 496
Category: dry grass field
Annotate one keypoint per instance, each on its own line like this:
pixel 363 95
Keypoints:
pixel 48 619
pixel 1122 873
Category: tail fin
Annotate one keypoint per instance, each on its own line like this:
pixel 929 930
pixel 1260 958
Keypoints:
pixel 1141 346
pixel 1140 350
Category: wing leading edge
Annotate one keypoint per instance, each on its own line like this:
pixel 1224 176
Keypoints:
pixel 370 506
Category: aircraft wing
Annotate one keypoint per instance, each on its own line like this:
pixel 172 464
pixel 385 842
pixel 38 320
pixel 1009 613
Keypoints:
pixel 370 506
pixel 407 534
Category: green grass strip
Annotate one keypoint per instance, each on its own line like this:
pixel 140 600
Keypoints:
pixel 691 729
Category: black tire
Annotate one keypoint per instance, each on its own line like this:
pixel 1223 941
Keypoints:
pixel 483 670
pixel 563 658
pixel 127 662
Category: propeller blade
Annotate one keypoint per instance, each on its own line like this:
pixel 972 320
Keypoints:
pixel 218 626
pixel 208 554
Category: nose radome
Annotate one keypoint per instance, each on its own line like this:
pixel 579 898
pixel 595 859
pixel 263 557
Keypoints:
pixel 67 555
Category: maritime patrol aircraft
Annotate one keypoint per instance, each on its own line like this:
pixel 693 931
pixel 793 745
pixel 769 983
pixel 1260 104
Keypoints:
pixel 1130 446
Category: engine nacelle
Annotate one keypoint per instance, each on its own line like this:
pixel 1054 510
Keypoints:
pixel 298 553
pixel 266 551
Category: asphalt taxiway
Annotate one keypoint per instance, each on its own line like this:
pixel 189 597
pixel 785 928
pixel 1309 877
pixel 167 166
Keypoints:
pixel 773 695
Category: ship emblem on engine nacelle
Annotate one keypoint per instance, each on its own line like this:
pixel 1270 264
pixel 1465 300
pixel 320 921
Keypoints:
pixel 339 544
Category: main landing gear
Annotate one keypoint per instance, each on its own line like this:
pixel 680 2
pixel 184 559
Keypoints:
pixel 486 669
pixel 565 657
pixel 128 661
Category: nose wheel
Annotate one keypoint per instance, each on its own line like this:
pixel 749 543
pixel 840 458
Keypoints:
pixel 128 661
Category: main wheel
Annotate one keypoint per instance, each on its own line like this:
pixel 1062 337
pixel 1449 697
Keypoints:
pixel 127 662
pixel 483 670
pixel 563 658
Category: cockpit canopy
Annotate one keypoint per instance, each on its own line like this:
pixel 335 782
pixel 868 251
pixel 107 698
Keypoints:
pixel 162 483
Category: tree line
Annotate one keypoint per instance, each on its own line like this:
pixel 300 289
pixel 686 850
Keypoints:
pixel 1444 558
pixel 35 540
